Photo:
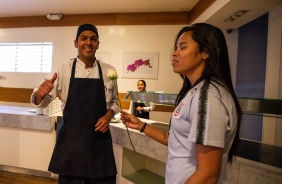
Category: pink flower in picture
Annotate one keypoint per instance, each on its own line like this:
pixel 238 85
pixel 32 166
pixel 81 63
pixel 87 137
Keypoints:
pixel 147 63
pixel 131 67
pixel 138 63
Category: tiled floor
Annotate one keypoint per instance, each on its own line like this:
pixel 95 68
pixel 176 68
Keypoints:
pixel 14 178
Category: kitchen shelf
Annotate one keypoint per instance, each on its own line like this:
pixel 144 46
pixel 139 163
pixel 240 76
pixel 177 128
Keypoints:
pixel 140 169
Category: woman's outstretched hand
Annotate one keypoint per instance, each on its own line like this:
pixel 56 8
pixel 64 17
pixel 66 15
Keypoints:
pixel 131 121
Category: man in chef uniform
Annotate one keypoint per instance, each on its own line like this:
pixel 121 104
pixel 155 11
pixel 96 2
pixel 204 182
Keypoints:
pixel 83 152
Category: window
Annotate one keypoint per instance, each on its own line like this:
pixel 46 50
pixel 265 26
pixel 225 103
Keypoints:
pixel 26 57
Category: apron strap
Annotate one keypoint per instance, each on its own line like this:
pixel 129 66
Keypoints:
pixel 73 68
pixel 100 71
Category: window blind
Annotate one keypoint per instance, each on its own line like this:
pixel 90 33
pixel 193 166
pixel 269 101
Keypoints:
pixel 26 57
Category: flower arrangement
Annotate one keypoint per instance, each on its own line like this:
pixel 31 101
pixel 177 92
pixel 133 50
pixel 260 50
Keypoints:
pixel 112 75
pixel 136 64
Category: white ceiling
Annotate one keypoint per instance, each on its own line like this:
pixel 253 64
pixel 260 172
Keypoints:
pixel 13 8
pixel 216 14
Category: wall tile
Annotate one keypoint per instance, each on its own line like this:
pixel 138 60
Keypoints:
pixel 273 60
pixel 268 136
pixel 271 86
pixel 251 127
pixel 279 124
pixel 278 138
pixel 269 123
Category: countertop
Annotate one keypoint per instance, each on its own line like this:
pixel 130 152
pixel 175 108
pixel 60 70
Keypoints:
pixel 20 115
pixel 142 143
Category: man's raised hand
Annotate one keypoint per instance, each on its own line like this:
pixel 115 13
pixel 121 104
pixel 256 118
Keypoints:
pixel 44 89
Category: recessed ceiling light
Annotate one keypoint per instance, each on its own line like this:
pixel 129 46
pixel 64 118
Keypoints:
pixel 56 16
pixel 236 15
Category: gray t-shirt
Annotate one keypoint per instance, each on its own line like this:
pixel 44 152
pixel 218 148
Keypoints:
pixel 207 116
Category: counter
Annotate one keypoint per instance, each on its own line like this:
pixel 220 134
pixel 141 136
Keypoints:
pixel 27 141
pixel 25 118
pixel 256 163
pixel 142 143
pixel 147 164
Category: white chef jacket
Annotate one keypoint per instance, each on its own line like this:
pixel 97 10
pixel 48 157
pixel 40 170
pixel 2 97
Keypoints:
pixel 61 84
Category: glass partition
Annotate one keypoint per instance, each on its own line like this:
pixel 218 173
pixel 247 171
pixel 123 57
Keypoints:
pixel 257 106
pixel 157 98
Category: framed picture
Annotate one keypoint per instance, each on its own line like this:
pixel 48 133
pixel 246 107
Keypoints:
pixel 140 65
pixel 104 57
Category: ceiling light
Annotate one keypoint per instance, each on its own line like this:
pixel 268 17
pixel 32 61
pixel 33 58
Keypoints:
pixel 240 13
pixel 56 16
pixel 236 15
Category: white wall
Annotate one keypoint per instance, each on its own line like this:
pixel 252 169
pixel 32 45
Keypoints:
pixel 114 40
pixel 272 127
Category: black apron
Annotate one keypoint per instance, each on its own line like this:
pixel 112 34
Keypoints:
pixel 79 150
pixel 140 114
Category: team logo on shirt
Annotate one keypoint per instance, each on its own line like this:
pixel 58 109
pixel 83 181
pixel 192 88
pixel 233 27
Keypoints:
pixel 178 108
